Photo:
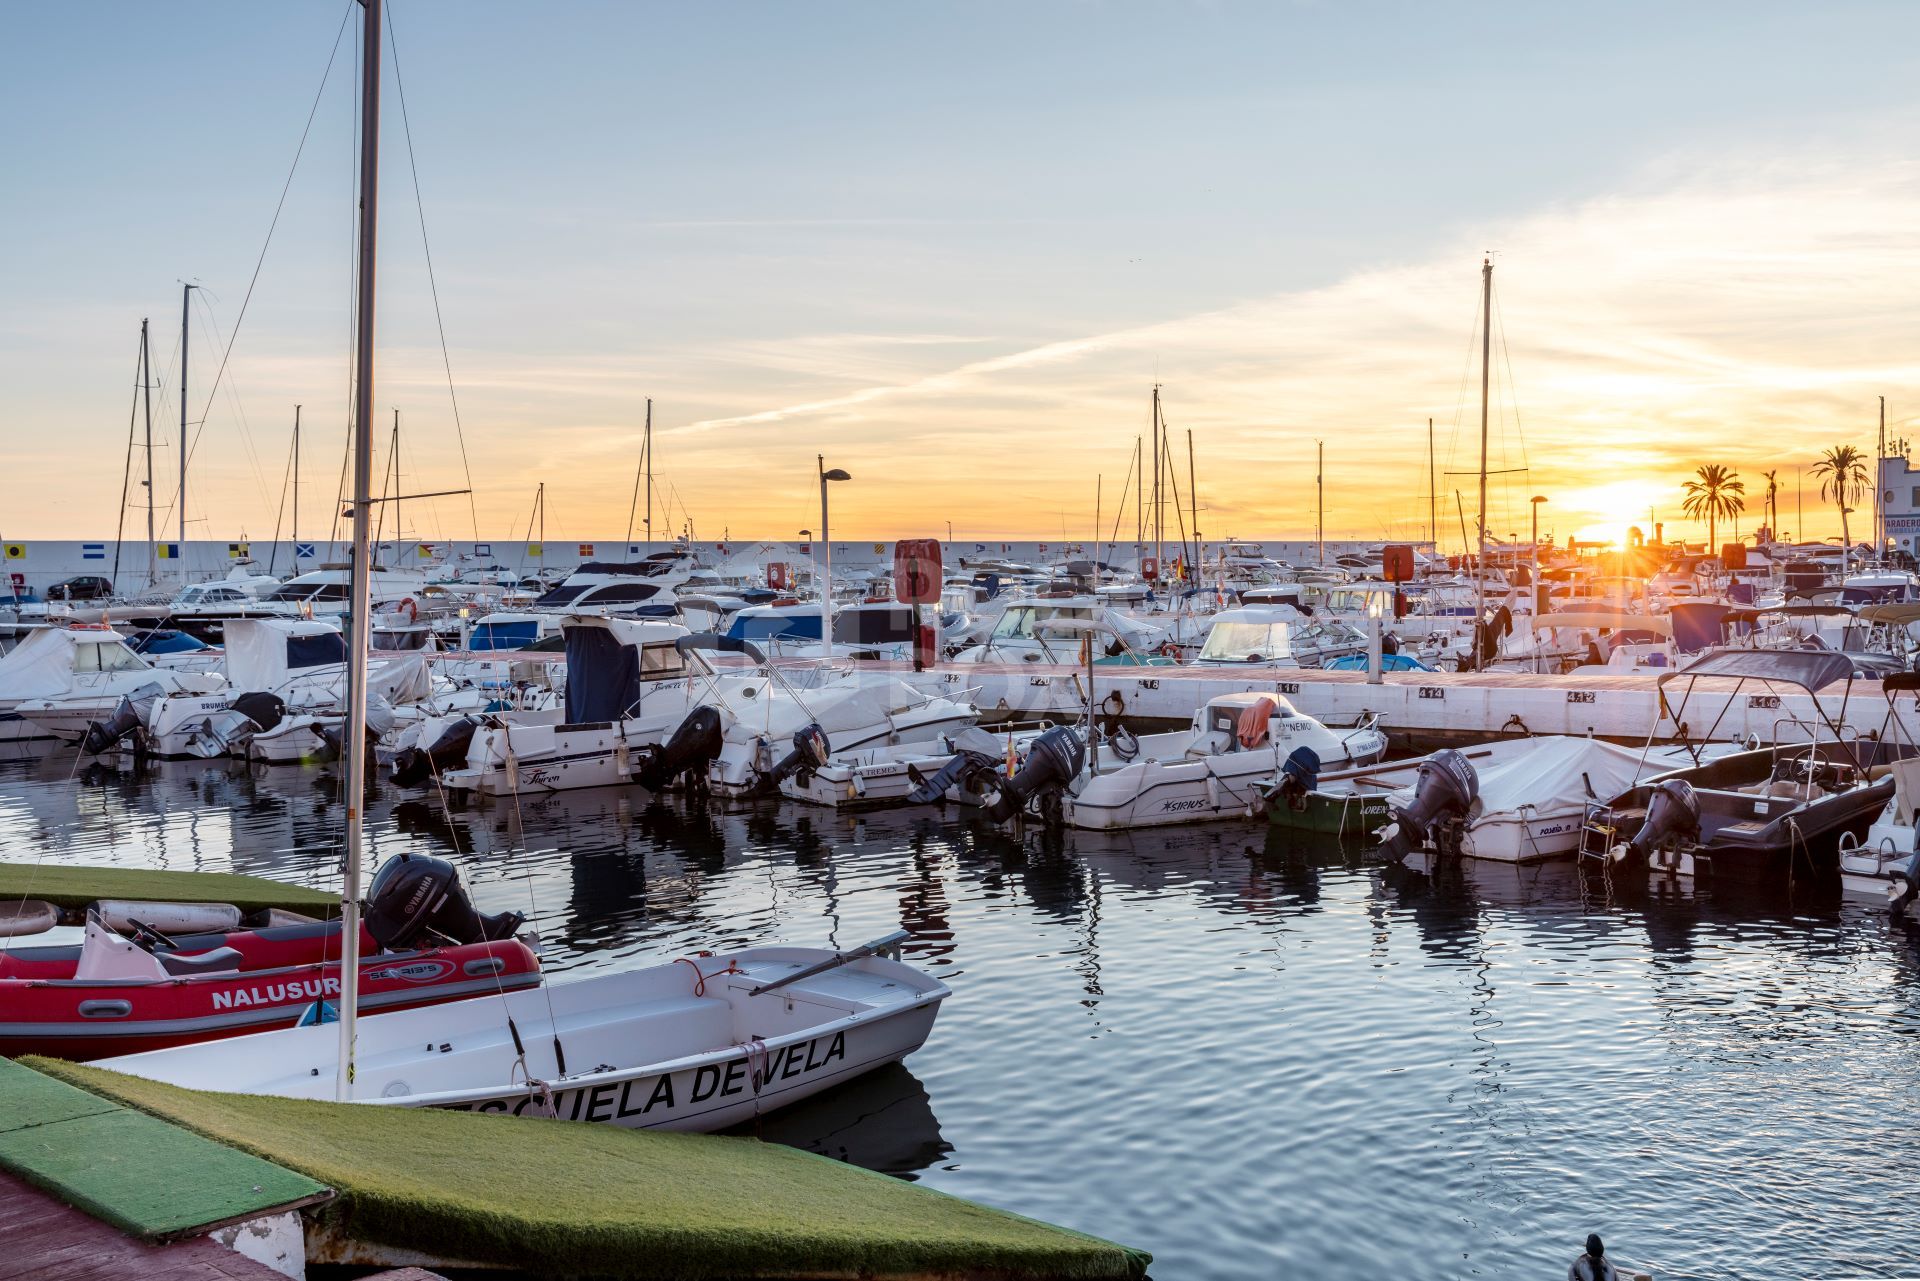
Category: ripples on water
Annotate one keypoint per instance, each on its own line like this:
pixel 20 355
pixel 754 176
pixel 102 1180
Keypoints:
pixel 1254 1061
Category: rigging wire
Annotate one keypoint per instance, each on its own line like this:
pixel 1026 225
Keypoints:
pixel 278 208
pixel 433 286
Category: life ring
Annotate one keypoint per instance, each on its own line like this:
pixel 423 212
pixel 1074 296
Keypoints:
pixel 410 608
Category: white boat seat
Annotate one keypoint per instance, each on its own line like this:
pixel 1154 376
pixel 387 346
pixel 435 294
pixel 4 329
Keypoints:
pixel 217 961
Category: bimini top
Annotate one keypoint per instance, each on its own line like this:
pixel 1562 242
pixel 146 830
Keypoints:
pixel 1810 669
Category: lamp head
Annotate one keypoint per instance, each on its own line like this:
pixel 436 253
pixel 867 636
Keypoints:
pixel 835 474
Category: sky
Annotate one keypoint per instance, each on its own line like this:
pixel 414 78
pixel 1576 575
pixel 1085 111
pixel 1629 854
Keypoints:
pixel 953 248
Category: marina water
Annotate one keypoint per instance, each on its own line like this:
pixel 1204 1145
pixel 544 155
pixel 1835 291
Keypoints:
pixel 1254 1060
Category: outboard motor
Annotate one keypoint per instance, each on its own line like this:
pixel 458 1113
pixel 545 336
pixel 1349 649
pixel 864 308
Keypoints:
pixel 964 767
pixel 263 709
pixel 1443 793
pixel 1299 776
pixel 1905 887
pixel 1053 761
pixel 129 715
pixel 810 752
pixel 415 894
pixel 693 746
pixel 414 765
pixel 1673 818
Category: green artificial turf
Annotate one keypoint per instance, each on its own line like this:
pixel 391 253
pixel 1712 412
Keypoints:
pixel 565 1197
pixel 144 1176
pixel 67 886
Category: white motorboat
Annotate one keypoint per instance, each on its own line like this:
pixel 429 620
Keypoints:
pixel 1220 768
pixel 698 1044
pixel 1277 636
pixel 59 680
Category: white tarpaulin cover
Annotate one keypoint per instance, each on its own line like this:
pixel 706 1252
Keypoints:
pixel 1554 773
pixel 42 665
pixel 257 649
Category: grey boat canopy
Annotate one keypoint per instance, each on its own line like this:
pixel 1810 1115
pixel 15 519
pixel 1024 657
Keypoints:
pixel 1810 669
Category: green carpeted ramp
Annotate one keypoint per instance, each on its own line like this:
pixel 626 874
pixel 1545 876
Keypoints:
pixel 595 1200
pixel 144 1176
pixel 64 885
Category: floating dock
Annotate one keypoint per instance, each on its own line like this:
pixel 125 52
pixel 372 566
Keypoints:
pixel 1425 710
pixel 455 1189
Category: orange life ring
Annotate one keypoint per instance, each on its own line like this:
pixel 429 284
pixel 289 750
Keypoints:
pixel 411 608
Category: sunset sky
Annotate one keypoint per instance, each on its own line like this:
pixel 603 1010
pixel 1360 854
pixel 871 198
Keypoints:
pixel 953 247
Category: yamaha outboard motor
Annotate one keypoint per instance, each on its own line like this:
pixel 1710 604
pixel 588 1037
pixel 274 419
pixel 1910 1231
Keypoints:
pixel 415 765
pixel 965 767
pixel 810 752
pixel 1673 817
pixel 413 895
pixel 1053 761
pixel 263 709
pixel 1443 793
pixel 693 746
pixel 1299 776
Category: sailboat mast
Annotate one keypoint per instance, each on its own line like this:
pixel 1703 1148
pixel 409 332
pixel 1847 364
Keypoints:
pixel 146 394
pixel 186 292
pixel 1159 512
pixel 1193 505
pixel 1433 506
pixel 1486 363
pixel 647 450
pixel 296 489
pixel 1320 498
pixel 353 745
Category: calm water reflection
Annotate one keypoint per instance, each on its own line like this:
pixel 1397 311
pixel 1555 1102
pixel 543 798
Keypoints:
pixel 1250 1059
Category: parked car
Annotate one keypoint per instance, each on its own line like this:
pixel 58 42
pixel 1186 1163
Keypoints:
pixel 81 587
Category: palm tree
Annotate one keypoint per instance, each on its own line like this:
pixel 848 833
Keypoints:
pixel 1717 494
pixel 1843 470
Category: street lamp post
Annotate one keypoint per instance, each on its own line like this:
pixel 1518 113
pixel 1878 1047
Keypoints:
pixel 826 544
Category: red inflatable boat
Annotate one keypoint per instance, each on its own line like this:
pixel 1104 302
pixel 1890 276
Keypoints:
pixel 114 994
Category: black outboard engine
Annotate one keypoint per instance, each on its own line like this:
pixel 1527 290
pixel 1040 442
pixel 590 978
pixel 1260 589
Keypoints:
pixel 1299 776
pixel 693 746
pixel 1445 790
pixel 103 735
pixel 1053 761
pixel 1673 818
pixel 810 752
pixel 414 765
pixel 413 895
pixel 263 709
pixel 1906 885
pixel 966 767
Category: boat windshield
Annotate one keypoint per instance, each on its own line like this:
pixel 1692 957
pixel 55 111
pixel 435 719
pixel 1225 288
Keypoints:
pixel 1247 642
pixel 1021 621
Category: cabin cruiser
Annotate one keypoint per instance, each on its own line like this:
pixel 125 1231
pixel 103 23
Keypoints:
pixel 631 588
pixel 202 610
pixel 60 680
pixel 322 593
pixel 1772 815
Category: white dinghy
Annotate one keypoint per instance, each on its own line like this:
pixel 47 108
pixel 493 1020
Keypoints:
pixel 701 1043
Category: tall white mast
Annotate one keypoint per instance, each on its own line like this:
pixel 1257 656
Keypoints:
pixel 1486 357
pixel 186 291
pixel 353 745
